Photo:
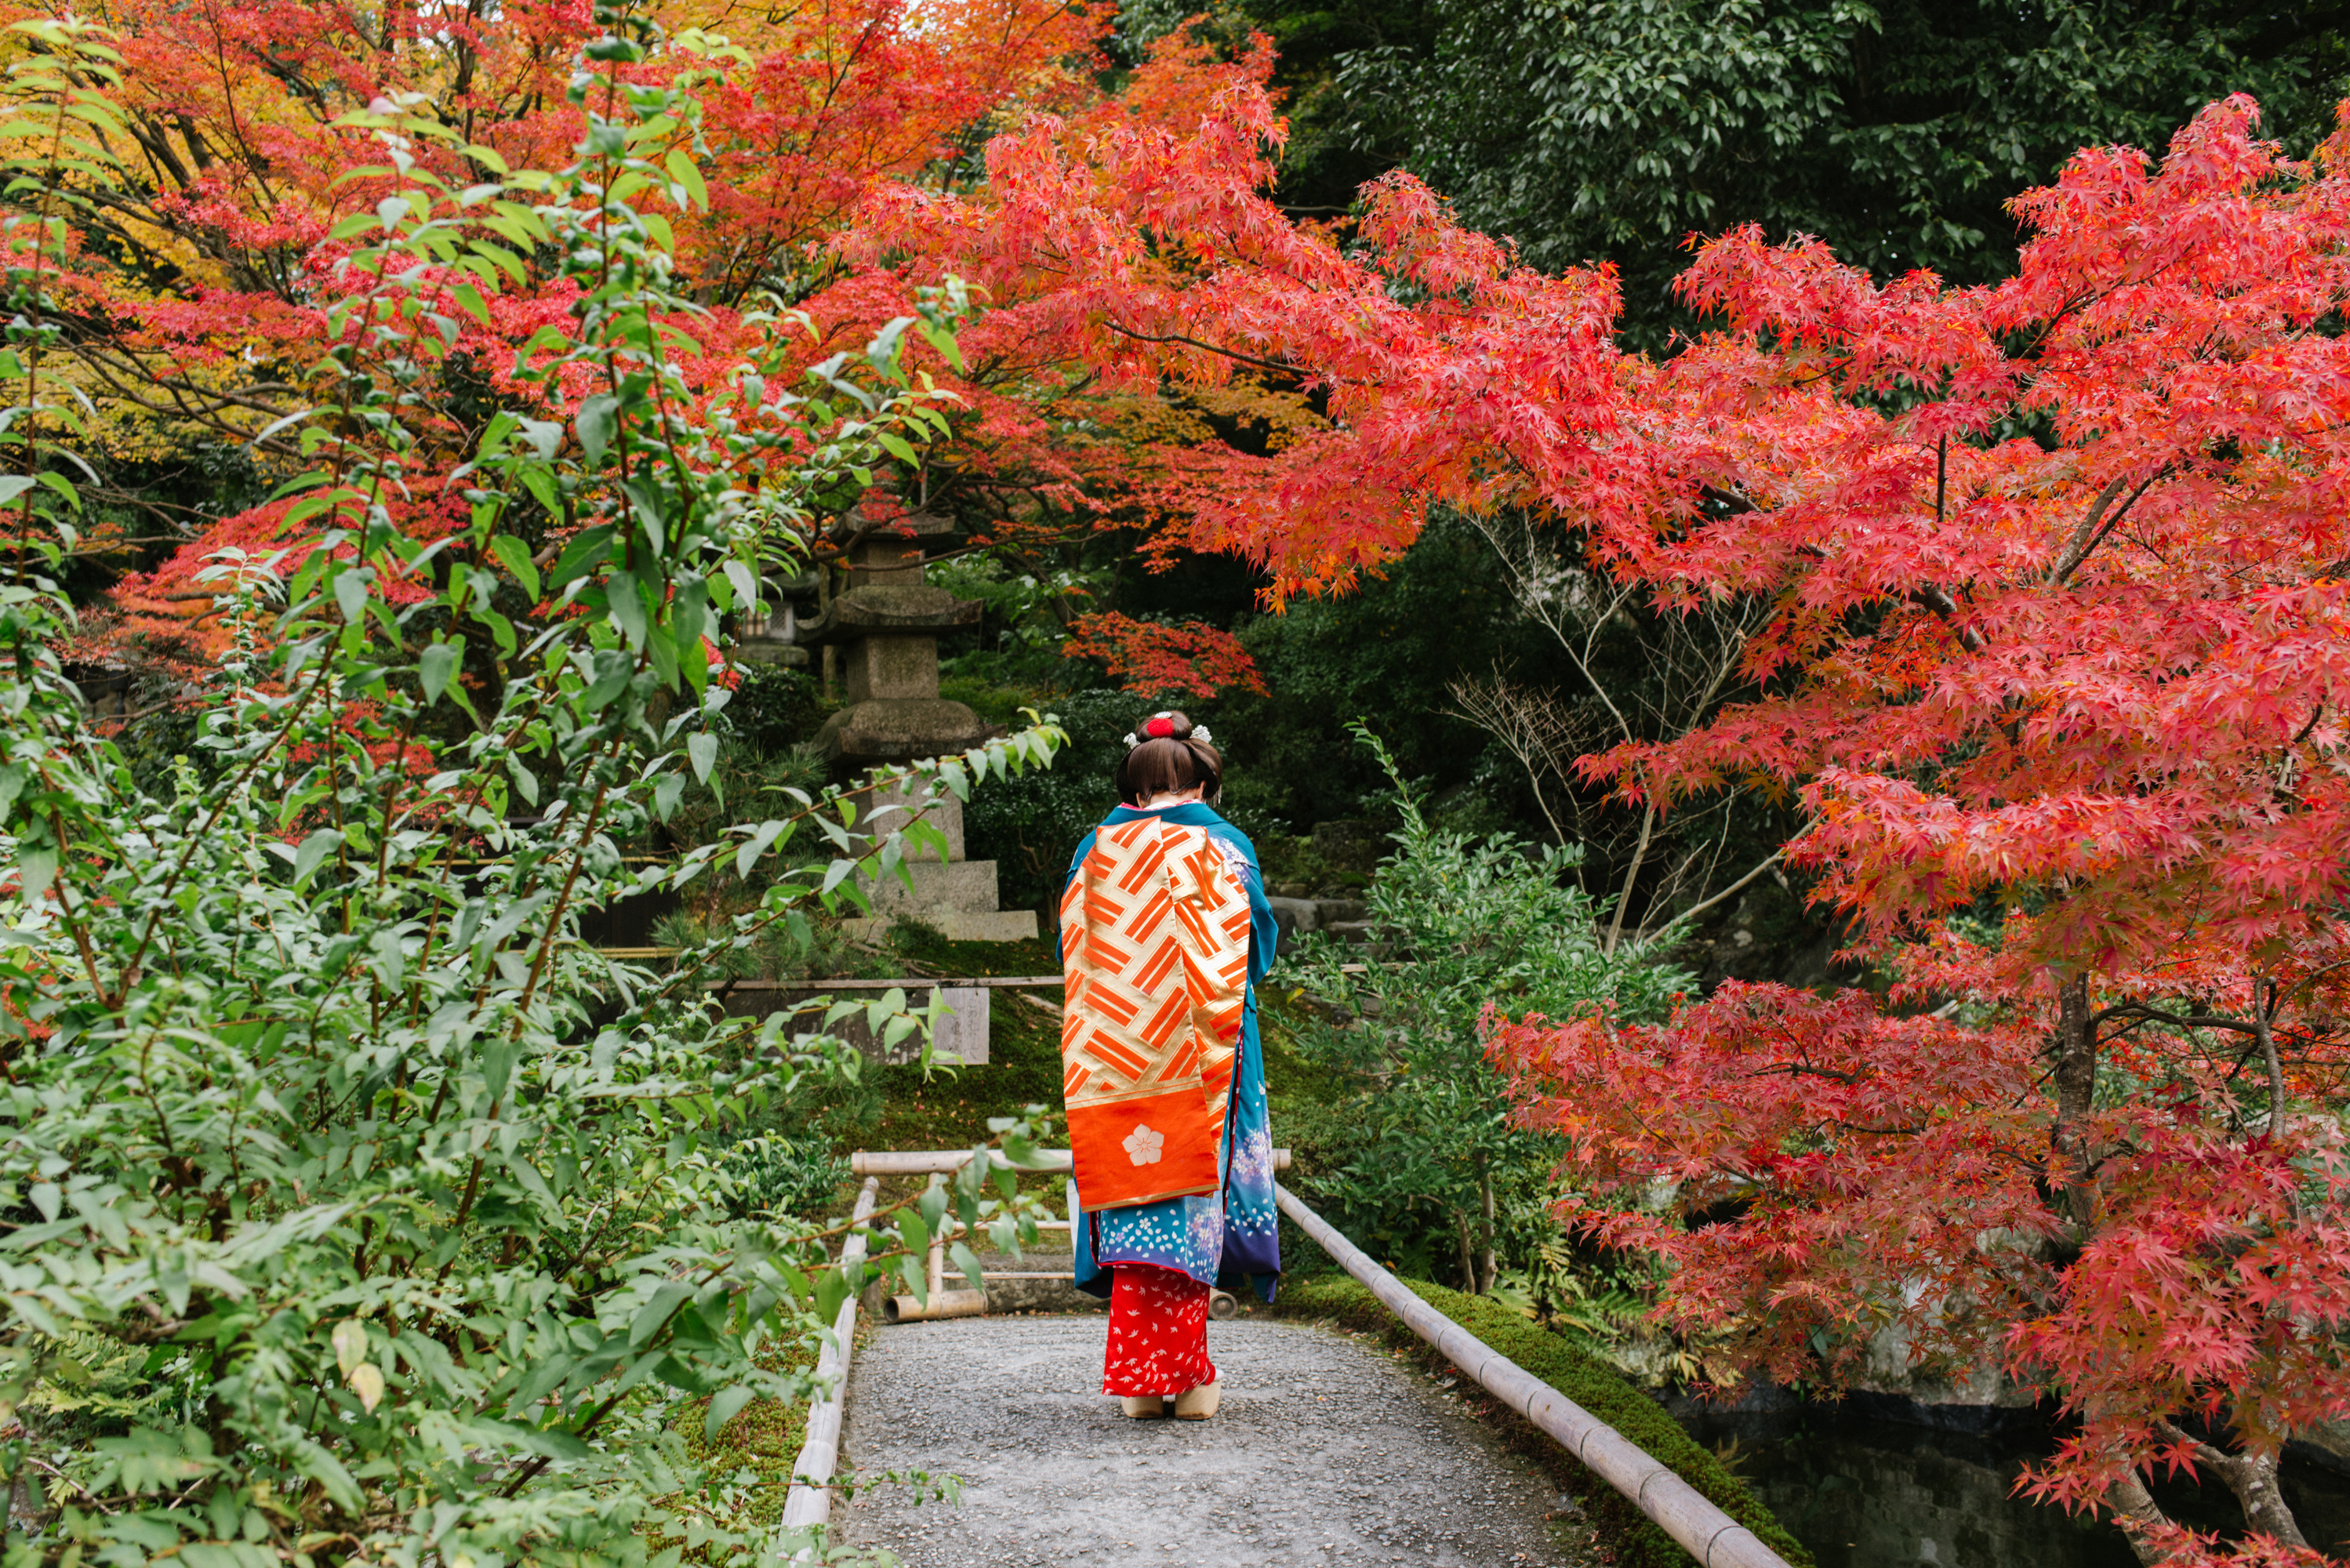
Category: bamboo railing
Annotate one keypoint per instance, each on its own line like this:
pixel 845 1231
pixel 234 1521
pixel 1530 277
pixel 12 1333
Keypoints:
pixel 810 1502
pixel 1708 1535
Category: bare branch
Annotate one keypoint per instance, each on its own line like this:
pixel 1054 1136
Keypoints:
pixel 2089 536
pixel 1696 909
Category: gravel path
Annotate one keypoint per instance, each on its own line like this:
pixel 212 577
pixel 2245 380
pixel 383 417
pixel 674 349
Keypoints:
pixel 1326 1452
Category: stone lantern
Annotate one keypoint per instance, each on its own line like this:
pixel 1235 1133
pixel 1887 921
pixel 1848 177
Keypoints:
pixel 887 626
pixel 775 638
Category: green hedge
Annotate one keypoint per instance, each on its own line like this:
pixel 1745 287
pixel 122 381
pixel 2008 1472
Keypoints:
pixel 1636 1540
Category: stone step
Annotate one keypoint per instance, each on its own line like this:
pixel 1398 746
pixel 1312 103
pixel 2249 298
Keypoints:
pixel 956 925
pixel 1347 919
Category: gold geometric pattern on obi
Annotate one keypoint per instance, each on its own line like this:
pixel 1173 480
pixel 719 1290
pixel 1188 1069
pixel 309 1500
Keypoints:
pixel 1154 940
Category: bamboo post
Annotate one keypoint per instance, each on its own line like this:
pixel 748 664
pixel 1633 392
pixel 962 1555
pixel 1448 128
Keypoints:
pixel 938 1301
pixel 938 1261
pixel 933 1161
pixel 809 1503
pixel 942 1303
pixel 1708 1535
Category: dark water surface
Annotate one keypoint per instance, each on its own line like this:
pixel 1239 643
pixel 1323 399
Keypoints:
pixel 1859 1488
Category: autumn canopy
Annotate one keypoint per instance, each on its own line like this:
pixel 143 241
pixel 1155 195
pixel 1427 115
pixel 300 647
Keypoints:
pixel 2051 577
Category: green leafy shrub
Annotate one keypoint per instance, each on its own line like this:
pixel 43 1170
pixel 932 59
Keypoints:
pixel 1634 1540
pixel 1021 611
pixel 784 1176
pixel 352 1209
pixel 1030 826
pixel 1417 1158
pixel 777 709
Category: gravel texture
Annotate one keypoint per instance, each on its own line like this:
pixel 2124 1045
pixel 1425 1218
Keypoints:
pixel 1328 1451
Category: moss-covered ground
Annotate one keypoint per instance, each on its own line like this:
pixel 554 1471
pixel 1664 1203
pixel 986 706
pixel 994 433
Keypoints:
pixel 763 1438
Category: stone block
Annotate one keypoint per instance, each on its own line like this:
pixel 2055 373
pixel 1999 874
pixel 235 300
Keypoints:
pixel 886 563
pixel 1294 916
pixel 988 926
pixel 906 609
pixel 958 898
pixel 1350 930
pixel 959 885
pixel 956 925
pixel 1337 911
pixel 960 1037
pixel 767 650
pixel 898 730
pixel 888 669
pixel 963 1035
pixel 920 802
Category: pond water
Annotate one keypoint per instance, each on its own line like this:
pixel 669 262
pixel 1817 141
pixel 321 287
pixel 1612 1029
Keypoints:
pixel 1858 1488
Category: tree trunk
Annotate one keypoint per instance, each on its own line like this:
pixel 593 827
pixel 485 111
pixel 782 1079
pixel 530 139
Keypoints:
pixel 1485 1189
pixel 2264 1003
pixel 2253 1479
pixel 1624 896
pixel 2076 1086
pixel 1467 1254
pixel 829 665
pixel 2134 1512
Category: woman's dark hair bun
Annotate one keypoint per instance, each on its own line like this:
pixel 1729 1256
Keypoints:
pixel 1167 754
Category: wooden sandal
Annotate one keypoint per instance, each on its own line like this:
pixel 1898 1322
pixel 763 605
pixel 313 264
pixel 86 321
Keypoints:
pixel 1199 1404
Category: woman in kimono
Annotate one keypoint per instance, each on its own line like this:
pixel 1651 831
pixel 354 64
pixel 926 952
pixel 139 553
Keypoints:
pixel 1165 933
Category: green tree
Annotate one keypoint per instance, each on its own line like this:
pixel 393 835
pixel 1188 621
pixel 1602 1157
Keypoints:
pixel 1895 131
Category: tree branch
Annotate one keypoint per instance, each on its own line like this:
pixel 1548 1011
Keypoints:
pixel 1206 348
pixel 2089 536
pixel 1947 608
pixel 1696 909
pixel 2180 1020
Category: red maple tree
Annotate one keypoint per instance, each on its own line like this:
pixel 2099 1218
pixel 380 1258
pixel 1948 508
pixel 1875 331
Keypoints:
pixel 2056 663
pixel 1151 658
pixel 2058 669
pixel 204 258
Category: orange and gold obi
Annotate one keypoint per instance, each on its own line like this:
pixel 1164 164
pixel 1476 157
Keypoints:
pixel 1154 959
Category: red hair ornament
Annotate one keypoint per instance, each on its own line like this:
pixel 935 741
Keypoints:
pixel 1162 727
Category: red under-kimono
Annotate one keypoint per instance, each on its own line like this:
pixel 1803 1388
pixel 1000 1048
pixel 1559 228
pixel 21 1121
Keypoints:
pixel 1158 1332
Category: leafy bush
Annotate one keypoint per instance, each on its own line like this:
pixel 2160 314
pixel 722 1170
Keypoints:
pixel 1420 1162
pixel 777 709
pixel 351 1208
pixel 1018 608
pixel 1030 826
pixel 785 1176
pixel 1634 1540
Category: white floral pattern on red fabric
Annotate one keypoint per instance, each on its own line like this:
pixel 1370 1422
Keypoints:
pixel 1158 1332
